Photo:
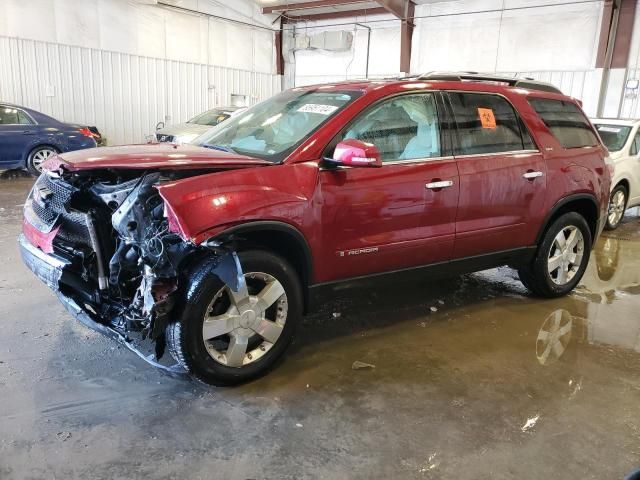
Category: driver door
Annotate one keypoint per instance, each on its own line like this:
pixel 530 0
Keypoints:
pixel 394 217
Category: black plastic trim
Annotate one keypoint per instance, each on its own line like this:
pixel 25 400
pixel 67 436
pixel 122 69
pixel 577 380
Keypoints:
pixel 564 201
pixel 265 225
pixel 515 257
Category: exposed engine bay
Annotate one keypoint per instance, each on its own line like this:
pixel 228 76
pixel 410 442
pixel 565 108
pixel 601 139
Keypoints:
pixel 122 261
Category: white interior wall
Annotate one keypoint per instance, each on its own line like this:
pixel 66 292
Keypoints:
pixel 124 65
pixel 552 38
pixel 318 66
pixel 555 41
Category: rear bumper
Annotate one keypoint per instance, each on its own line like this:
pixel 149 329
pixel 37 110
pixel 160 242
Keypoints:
pixel 50 270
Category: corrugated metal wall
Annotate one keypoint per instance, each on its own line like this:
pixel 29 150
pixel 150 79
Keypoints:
pixel 123 95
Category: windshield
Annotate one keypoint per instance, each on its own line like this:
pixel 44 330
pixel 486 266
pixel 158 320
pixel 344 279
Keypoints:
pixel 613 136
pixel 210 117
pixel 272 129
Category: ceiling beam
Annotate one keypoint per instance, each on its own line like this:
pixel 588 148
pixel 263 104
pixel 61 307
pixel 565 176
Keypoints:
pixel 336 14
pixel 290 7
pixel 399 8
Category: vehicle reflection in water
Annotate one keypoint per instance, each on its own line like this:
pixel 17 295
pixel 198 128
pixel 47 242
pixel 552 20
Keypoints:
pixel 554 336
pixel 604 308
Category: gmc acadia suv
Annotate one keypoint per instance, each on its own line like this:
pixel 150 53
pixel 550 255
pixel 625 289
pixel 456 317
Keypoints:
pixel 217 250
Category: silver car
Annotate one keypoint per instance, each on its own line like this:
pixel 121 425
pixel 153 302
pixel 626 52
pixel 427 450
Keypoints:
pixel 185 132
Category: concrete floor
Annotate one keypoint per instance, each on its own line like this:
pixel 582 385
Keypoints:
pixel 494 384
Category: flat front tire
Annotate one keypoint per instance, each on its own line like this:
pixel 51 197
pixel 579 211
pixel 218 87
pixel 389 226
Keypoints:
pixel 224 337
pixel 561 257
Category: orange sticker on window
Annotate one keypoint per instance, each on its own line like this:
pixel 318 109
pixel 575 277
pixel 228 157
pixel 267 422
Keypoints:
pixel 486 118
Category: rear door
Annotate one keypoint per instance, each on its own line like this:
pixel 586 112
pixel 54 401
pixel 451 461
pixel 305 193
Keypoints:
pixel 502 176
pixel 17 132
pixel 397 216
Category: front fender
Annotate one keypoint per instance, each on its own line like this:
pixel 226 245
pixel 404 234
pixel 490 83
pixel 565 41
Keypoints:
pixel 202 206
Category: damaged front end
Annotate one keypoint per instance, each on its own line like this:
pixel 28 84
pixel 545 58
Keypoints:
pixel 102 241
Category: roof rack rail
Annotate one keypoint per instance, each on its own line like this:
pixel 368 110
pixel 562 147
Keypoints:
pixel 526 82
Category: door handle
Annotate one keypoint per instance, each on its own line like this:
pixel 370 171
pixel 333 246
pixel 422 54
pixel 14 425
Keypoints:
pixel 532 175
pixel 28 132
pixel 439 184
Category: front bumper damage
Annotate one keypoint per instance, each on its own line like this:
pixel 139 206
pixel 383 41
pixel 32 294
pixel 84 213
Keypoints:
pixel 50 269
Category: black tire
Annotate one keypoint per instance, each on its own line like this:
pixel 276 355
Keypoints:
pixel 185 339
pixel 616 224
pixel 32 164
pixel 536 276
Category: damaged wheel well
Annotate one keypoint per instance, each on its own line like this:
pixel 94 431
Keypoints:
pixel 279 238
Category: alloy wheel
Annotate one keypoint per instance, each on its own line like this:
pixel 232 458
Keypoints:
pixel 241 327
pixel 565 255
pixel 39 157
pixel 616 207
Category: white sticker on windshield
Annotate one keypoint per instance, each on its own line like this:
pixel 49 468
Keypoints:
pixel 609 129
pixel 317 108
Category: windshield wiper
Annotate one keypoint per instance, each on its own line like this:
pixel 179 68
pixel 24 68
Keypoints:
pixel 222 148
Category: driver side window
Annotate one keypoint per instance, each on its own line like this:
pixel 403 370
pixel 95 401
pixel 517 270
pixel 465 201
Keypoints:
pixel 403 128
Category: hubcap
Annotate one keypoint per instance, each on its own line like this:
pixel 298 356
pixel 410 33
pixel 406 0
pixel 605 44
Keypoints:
pixel 616 207
pixel 40 156
pixel 565 255
pixel 240 327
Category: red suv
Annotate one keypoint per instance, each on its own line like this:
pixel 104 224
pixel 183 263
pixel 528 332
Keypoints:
pixel 217 250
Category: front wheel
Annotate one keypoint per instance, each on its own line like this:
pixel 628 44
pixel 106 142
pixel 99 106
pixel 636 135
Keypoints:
pixel 617 206
pixel 561 257
pixel 224 337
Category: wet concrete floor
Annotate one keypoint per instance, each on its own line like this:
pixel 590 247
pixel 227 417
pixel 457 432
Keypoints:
pixel 473 379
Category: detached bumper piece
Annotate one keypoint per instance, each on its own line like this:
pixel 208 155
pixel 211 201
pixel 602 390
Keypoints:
pixel 51 269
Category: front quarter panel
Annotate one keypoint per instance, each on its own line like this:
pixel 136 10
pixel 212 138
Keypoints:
pixel 207 204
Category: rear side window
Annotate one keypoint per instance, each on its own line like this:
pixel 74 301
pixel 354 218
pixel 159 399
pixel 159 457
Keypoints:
pixel 487 124
pixel 566 121
pixel 24 119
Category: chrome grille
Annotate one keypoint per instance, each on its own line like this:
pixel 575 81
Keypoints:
pixel 49 198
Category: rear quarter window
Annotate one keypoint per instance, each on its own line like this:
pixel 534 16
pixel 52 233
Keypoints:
pixel 566 122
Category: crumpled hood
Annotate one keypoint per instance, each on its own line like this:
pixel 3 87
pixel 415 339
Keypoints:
pixel 164 156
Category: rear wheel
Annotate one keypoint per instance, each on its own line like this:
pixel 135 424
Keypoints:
pixel 617 206
pixel 226 337
pixel 37 157
pixel 561 257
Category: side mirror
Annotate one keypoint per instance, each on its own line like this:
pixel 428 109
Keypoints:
pixel 355 153
pixel 159 125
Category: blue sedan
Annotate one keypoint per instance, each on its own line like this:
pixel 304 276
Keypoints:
pixel 28 137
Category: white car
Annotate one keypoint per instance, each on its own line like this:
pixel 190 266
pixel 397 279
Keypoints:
pixel 187 131
pixel 622 138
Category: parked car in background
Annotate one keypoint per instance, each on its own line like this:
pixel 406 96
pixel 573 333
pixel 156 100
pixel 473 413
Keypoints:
pixel 622 138
pixel 189 130
pixel 217 249
pixel 28 137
